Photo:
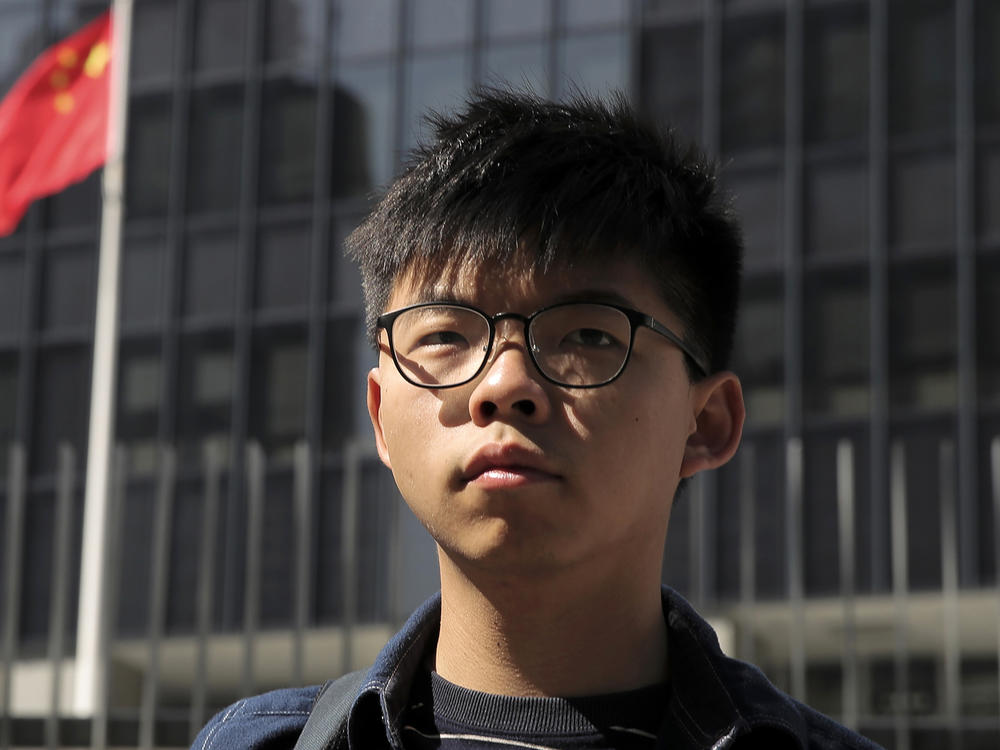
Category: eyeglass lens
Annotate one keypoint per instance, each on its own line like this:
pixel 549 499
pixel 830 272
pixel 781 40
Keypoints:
pixel 576 345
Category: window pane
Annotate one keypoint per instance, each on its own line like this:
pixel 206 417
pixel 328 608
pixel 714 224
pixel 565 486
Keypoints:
pixel 209 275
pixel 367 28
pixel 153 38
pixel 139 387
pixel 294 32
pixel 520 64
pixel 759 352
pixel 77 205
pixel 590 12
pixel 923 331
pixel 340 379
pixel 20 39
pixel 595 63
pixel 148 162
pixel 8 407
pixel 440 22
pixel 62 400
pixel 204 392
pixel 921 66
pixel 364 105
pixel 516 17
pixel 759 201
pixel 11 284
pixel 988 331
pixel 288 142
pixel 836 76
pixel 278 394
pixel 215 149
pixel 142 281
pixel 836 345
pixel 220 34
pixel 988 193
pixel 836 208
pixel 753 84
pixel 68 288
pixel 283 267
pixel 920 218
pixel 435 82
pixel 672 77
pixel 987 62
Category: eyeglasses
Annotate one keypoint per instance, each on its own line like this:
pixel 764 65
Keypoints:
pixel 573 344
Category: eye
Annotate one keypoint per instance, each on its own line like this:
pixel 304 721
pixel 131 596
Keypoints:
pixel 590 337
pixel 443 338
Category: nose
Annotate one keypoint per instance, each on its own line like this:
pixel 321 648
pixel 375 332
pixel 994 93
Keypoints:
pixel 512 387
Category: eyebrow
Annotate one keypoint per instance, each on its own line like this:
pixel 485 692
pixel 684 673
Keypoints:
pixel 434 293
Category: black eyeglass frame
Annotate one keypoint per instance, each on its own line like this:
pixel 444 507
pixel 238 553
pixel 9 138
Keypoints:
pixel 635 319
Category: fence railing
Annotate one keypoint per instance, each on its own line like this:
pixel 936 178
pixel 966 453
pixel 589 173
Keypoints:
pixel 220 585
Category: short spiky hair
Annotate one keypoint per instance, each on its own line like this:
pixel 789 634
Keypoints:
pixel 579 180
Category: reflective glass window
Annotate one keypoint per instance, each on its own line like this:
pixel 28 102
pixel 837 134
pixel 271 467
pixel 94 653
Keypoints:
pixel 204 392
pixel 921 66
pixel 836 74
pixel 139 388
pixel 70 277
pixel 836 343
pixel 11 285
pixel 922 337
pixel 987 73
pixel 148 162
pixel 836 208
pixel 294 32
pixel 62 405
pixel 220 34
pixel 364 103
pixel 8 406
pixel 922 200
pixel 20 39
pixel 591 12
pixel 671 73
pixel 282 269
pixel 209 275
pixel 988 331
pixel 759 200
pixel 341 376
pixel 278 393
pixel 288 142
pixel 214 172
pixel 505 18
pixel 365 29
pixel 594 62
pixel 753 82
pixel 988 193
pixel 77 205
pixel 142 286
pixel 154 36
pixel 759 351
pixel 434 82
pixel 441 22
pixel 522 65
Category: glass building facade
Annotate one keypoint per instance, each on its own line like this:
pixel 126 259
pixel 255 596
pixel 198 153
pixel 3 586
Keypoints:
pixel 861 142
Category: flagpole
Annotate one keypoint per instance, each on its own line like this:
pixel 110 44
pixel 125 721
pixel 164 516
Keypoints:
pixel 90 673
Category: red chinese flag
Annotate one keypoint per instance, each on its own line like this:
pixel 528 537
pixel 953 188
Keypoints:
pixel 53 123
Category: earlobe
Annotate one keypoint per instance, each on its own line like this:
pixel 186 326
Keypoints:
pixel 375 414
pixel 719 415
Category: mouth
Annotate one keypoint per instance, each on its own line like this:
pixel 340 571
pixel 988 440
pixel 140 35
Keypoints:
pixel 506 465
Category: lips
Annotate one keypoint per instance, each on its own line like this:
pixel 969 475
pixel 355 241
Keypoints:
pixel 508 465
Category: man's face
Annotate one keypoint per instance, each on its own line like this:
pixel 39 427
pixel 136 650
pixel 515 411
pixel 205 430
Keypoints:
pixel 516 474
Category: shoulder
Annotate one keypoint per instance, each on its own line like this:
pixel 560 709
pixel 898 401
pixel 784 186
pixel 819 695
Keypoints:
pixel 271 721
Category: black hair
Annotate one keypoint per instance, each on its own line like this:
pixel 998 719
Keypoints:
pixel 572 181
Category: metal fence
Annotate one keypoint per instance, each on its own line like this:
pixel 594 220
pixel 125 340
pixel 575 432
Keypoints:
pixel 161 674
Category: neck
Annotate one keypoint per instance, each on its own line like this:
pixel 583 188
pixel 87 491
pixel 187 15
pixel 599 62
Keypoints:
pixel 588 633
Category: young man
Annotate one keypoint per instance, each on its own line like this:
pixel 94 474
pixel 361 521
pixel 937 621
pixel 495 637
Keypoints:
pixel 552 290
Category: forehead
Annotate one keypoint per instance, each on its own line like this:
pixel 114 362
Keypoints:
pixel 510 285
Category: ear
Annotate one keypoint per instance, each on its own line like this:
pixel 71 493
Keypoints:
pixel 375 413
pixel 719 413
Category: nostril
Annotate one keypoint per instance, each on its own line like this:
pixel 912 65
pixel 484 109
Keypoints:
pixel 526 407
pixel 488 408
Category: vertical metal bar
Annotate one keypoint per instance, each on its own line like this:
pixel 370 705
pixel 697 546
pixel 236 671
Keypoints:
pixel 66 484
pixel 206 580
pixel 748 547
pixel 900 591
pixel 847 550
pixel 109 600
pixel 302 585
pixel 251 592
pixel 794 550
pixel 879 289
pixel 12 584
pixel 162 526
pixel 350 498
pixel 949 588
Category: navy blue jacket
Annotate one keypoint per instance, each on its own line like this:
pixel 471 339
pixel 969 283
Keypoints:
pixel 715 702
